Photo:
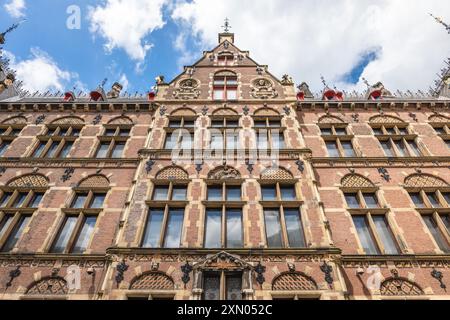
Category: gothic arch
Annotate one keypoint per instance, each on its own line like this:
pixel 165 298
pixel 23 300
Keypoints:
pixel 184 112
pixel 276 174
pixel 400 287
pixel 293 281
pixel 15 120
pixel 29 181
pixel 224 173
pixel 385 119
pixel 438 118
pixel 267 112
pixel 328 119
pixel 152 281
pixel 424 181
pixel 48 286
pixel 225 112
pixel 69 120
pixel 356 181
pixel 121 120
pixel 94 181
pixel 172 173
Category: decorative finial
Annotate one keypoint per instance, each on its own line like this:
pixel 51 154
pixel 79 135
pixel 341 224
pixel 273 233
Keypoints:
pixel 324 81
pixel 13 27
pixel 226 27
pixel 439 20
pixel 103 82
pixel 366 82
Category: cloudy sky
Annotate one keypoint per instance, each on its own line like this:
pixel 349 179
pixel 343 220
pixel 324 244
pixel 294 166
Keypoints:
pixel 133 41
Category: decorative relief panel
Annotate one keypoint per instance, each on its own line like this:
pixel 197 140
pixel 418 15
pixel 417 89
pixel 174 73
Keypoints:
pixel 225 112
pixel 424 181
pixel 29 181
pixel 187 89
pixel 97 181
pixel 49 286
pixel 152 281
pixel 293 281
pixel 15 120
pixel 439 119
pixel 384 119
pixel 400 287
pixel 121 120
pixel 276 174
pixel 224 173
pixel 69 121
pixel 330 119
pixel 356 181
pixel 184 112
pixel 263 89
pixel 266 112
pixel 172 173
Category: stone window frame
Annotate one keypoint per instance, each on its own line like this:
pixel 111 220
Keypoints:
pixel 294 295
pixel 52 135
pixel 225 87
pixel 224 205
pixel 113 140
pixel 182 128
pixel 81 214
pixel 446 129
pixel 337 138
pixel 435 213
pixel 280 205
pixel 368 213
pixel 400 135
pixel 268 127
pixel 166 206
pixel 225 129
pixel 7 138
pixel 223 275
pixel 17 214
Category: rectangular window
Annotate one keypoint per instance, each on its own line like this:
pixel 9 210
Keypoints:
pixel 87 229
pixel 211 287
pixel 341 131
pixel 387 148
pixel 437 234
pixel 3 147
pixel 365 235
pixel 234 229
pixel 401 147
pixel 233 286
pixel 66 150
pixel 371 200
pixel 352 200
pixel 79 201
pixel 103 150
pixel 417 199
pixel 385 234
pixel 273 228
pixel 233 193
pixel 97 201
pixel 446 196
pixel 161 193
pixel 213 230
pixel 118 150
pixel 294 228
pixel 348 149
pixel 16 233
pixel 64 236
pixel 332 148
pixel 171 142
pixel 288 193
pixel 153 229
pixel 215 193
pixel 51 152
pixel 38 152
pixel 414 148
pixel 174 229
pixel 20 199
pixel 5 199
pixel 432 197
pixel 5 223
pixel 179 193
pixel 36 200
pixel 269 193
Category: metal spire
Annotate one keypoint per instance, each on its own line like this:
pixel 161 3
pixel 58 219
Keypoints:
pixel 324 81
pixel 439 20
pixel 226 27
pixel 13 27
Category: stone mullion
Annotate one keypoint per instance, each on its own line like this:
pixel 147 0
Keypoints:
pixel 162 232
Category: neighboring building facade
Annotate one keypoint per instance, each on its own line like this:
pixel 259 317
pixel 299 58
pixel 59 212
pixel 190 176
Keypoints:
pixel 333 197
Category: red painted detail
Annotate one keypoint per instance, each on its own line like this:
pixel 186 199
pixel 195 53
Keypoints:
pixel 96 96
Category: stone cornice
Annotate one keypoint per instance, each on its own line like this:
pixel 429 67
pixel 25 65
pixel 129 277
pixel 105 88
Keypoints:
pixel 72 163
pixel 377 162
pixel 351 105
pixel 51 260
pixel 78 107
pixel 400 261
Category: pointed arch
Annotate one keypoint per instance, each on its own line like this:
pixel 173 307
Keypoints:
pixel 438 118
pixel 422 180
pixel 356 181
pixel 94 181
pixel 172 173
pixel 152 280
pixel 400 287
pixel 184 112
pixel 224 173
pixel 69 120
pixel 267 112
pixel 385 119
pixel 48 286
pixel 121 120
pixel 29 181
pixel 15 120
pixel 225 112
pixel 328 119
pixel 294 281
pixel 276 174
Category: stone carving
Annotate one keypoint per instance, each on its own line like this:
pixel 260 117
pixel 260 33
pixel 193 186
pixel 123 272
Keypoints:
pixel 294 281
pixel 330 120
pixel 424 181
pixel 15 120
pixel 122 120
pixel 49 286
pixel 187 89
pixel 400 287
pixel 223 261
pixel 385 119
pixel 29 181
pixel 263 89
pixel 224 173
pixel 68 121
pixel 286 80
pixel 276 174
pixel 356 181
pixel 152 281
pixel 172 173
pixel 225 112
pixel 438 119
pixel 266 112
pixel 97 181
pixel 115 91
pixel 184 112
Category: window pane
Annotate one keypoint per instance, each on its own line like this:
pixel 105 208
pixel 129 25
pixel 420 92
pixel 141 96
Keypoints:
pixel 288 193
pixel 124 132
pixel 98 200
pixel 446 220
pixel 274 123
pixel 110 132
pixel 332 149
pixel 262 142
pixel 341 131
pixel 175 123
pixel 294 228
pixel 174 229
pixel 278 140
pixel 438 236
pixel 232 81
pixel 189 124
pixel 417 199
pixel 213 230
pixel 118 150
pixel 371 200
pixel 18 202
pixel 16 233
pixel 377 131
pixel 66 149
pixel 220 81
pixel 218 94
pixel 326 131
pixel 231 94
pixel 233 193
pixel 352 200
pixel 179 193
pixel 153 229
pixel 216 142
pixel 76 132
pixel 36 200
pixel 403 131
pixel 63 132
pixel 400 147
pixel 39 149
pixel 234 229
pixel 391 130
pixel 447 198
pixel 65 234
pixel 432 197
pixel 211 287
pixel 348 149
pixel 52 150
pixel 414 148
pixel 233 123
pixel 273 228
pixel 260 124
pixel 386 145
pixel 5 199
pixel 171 141
pixel 234 287
pixel 186 142
pixel 3 147
pixel 217 124
pixel 103 150
pixel 385 234
pixel 4 224
pixel 79 201
pixel 232 140
pixel 365 236
pixel 161 193
pixel 15 132
pixel 215 193
pixel 269 193
pixel 85 235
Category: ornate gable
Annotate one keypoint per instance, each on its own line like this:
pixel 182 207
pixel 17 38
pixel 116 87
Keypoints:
pixel 97 181
pixel 223 261
pixel 330 120
pixel 68 121
pixel 122 120
pixel 385 119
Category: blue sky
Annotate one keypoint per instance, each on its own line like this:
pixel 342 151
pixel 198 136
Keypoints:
pixel 137 40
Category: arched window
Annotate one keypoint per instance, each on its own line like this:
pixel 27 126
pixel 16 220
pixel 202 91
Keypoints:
pixel 20 198
pixel 400 287
pixel 223 216
pixel 281 203
pixel 268 129
pixel 441 124
pixel 431 198
pixel 335 133
pixel 294 286
pixel 152 286
pixel 369 218
pixel 115 136
pixel 59 139
pixel 9 131
pixel 184 119
pixel 166 212
pixel 49 286
pixel 80 218
pixel 225 86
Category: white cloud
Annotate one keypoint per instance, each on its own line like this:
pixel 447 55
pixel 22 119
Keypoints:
pixel 310 38
pixel 125 24
pixel 15 8
pixel 41 72
pixel 123 80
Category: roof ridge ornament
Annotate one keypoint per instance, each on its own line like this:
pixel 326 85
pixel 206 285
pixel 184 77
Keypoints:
pixel 439 20
pixel 10 29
